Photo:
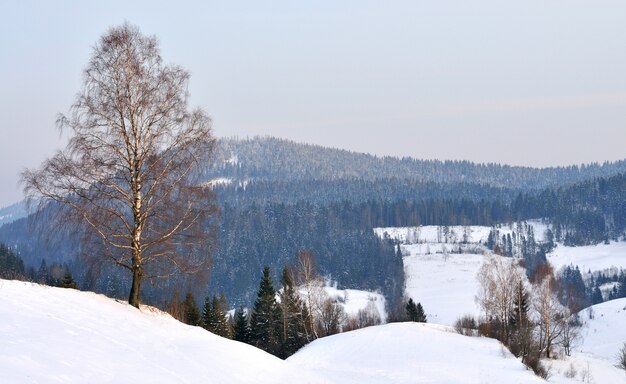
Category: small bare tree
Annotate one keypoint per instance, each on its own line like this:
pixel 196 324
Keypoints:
pixel 128 173
pixel 621 358
pixel 551 315
pixel 571 334
pixel 497 278
pixel 332 317
pixel 310 282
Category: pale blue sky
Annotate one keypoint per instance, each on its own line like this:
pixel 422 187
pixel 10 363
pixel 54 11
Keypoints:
pixel 520 82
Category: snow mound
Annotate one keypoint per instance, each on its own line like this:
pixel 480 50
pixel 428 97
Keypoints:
pixel 593 358
pixel 60 335
pixel 52 335
pixel 411 353
pixel 605 333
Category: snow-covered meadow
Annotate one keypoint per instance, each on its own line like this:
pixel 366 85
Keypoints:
pixel 445 283
pixel 591 257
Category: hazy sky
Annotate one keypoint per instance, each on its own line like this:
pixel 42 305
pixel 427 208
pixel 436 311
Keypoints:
pixel 521 82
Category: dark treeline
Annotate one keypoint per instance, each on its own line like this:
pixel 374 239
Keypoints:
pixel 11 265
pixel 346 249
pixel 258 228
pixel 325 192
pixel 586 213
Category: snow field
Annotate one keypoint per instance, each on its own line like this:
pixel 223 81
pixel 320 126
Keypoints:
pixel 52 335
pixel 411 353
pixel 592 257
pixel 354 300
pixel 446 286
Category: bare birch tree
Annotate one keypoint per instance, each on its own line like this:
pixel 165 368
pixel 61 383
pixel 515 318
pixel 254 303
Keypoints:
pixel 497 278
pixel 310 282
pixel 128 174
pixel 551 315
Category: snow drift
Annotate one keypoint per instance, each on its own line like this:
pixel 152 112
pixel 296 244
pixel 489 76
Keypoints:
pixel 52 335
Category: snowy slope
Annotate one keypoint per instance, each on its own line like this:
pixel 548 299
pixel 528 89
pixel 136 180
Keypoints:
pixel 595 355
pixel 443 282
pixel 54 335
pixel 592 257
pixel 411 353
pixel 445 285
pixel 354 300
pixel 605 333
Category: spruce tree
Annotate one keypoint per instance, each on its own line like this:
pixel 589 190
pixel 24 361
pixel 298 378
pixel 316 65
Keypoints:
pixel 265 319
pixel 220 308
pixel 190 310
pixel 411 310
pixel 293 317
pixel 241 327
pixel 214 316
pixel 43 275
pixel 421 315
pixel 522 332
pixel 68 281
pixel 596 297
pixel 208 315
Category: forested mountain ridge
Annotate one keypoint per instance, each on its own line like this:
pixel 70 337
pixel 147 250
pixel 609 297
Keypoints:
pixel 278 159
pixel 278 198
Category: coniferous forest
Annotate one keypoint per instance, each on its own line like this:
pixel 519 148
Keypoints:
pixel 277 198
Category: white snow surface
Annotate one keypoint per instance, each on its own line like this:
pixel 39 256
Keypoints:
pixel 445 286
pixel 456 234
pixel 592 257
pixel 596 354
pixel 411 353
pixel 443 282
pixel 354 300
pixel 54 335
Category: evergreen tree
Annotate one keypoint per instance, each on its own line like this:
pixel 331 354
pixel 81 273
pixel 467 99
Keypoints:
pixel 596 297
pixel 421 315
pixel 520 306
pixel 190 309
pixel 415 312
pixel 241 327
pixel 208 315
pixel 43 275
pixel 293 317
pixel 265 319
pixel 214 318
pixel 411 310
pixel 220 326
pixel 68 281
pixel 520 325
pixel 621 292
pixel 11 265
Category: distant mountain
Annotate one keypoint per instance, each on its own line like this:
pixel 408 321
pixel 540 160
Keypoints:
pixel 270 158
pixel 13 212
pixel 278 197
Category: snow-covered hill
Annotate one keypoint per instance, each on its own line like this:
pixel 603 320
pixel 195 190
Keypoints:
pixel 411 353
pixel 593 358
pixel 445 283
pixel 54 335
